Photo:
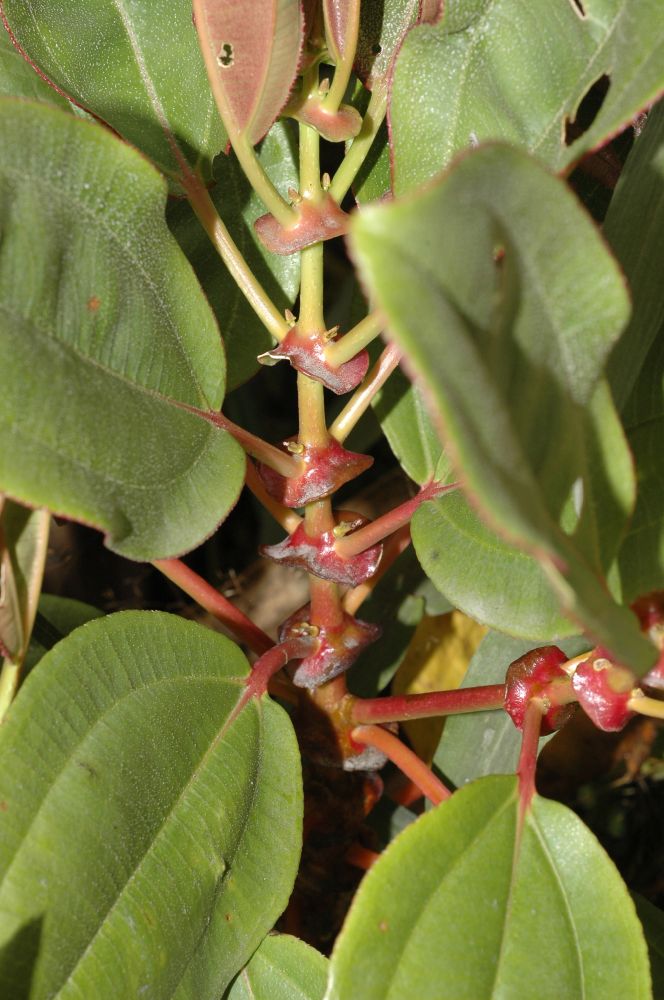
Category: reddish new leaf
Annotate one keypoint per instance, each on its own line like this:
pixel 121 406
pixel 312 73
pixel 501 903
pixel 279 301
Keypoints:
pixel 251 52
pixel 342 19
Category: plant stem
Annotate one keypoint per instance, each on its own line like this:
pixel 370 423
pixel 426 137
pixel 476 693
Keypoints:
pixel 361 857
pixel 355 340
pixel 394 546
pixel 361 145
pixel 253 170
pixel 280 461
pixel 360 401
pixel 237 266
pixel 527 765
pixel 287 518
pixel 9 678
pixel 204 594
pixel 405 760
pixel 646 706
pixel 363 538
pixel 398 708
pixel 344 66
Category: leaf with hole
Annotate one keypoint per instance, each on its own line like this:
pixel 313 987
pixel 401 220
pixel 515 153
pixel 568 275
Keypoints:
pixel 119 65
pixel 251 52
pixel 141 816
pixel 282 968
pixel 499 889
pixel 244 335
pixel 496 69
pixel 125 322
pixel 510 362
pixel 383 27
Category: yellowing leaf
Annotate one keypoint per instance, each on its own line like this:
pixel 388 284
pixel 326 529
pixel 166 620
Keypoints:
pixel 436 660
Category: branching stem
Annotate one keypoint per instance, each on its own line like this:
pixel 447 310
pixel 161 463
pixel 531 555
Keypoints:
pixel 383 526
pixel 355 340
pixel 359 149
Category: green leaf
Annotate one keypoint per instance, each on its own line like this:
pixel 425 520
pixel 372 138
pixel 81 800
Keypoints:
pixel 23 542
pixel 460 906
pixel 641 558
pixel 252 53
pixel 494 69
pixel 283 968
pixel 482 743
pixel 56 618
pixel 634 226
pixel 652 920
pixel 509 357
pixel 118 61
pixel 244 335
pixel 18 78
pixel 96 294
pixel 407 426
pixel 141 817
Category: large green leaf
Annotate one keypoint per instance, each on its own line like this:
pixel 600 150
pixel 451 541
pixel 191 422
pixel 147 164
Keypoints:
pixel 136 65
pixel 641 558
pixel 283 968
pixel 244 335
pixel 104 334
pixel 483 743
pixel 652 919
pixel 634 226
pixel 515 595
pixel 511 353
pixel 18 79
pixel 150 837
pixel 502 69
pixel 467 903
pixel 56 617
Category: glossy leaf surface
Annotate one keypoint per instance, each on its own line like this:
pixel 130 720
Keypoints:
pixel 251 52
pixel 494 69
pixel 470 921
pixel 282 968
pixel 96 294
pixel 634 226
pixel 23 541
pixel 510 360
pixel 118 61
pixel 140 818
pixel 482 743
pixel 244 335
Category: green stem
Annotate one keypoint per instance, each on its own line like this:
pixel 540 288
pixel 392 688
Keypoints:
pixel 355 340
pixel 9 678
pixel 261 183
pixel 237 266
pixel 360 401
pixel 359 148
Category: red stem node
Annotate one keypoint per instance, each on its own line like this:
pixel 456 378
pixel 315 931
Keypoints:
pixel 306 353
pixel 321 471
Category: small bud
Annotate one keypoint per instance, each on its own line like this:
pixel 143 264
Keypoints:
pixel 290 318
pixel 331 334
pixel 324 87
pixel 294 196
pixel 342 528
pixel 325 181
pixel 295 448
